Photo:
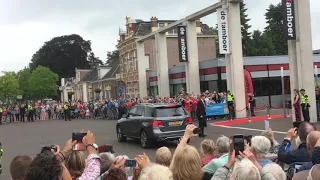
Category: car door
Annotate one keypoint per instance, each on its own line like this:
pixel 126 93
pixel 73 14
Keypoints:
pixel 127 128
pixel 136 121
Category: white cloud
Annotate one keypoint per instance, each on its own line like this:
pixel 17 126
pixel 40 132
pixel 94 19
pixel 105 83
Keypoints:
pixel 26 24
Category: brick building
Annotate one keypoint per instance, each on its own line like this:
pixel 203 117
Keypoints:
pixel 136 28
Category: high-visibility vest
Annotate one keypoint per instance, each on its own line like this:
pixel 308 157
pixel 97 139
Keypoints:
pixel 229 97
pixel 65 107
pixel 30 107
pixel 304 98
pixel 1 110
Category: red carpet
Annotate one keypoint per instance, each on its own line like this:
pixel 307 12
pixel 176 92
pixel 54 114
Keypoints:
pixel 246 120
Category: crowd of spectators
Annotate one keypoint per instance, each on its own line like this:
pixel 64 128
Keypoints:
pixel 262 158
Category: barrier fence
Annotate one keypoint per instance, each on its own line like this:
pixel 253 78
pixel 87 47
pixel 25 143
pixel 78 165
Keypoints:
pixel 223 110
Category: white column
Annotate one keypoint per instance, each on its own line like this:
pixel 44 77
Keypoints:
pixel 62 89
pixel 101 93
pixel 142 69
pixel 85 92
pixel 305 55
pixel 236 59
pixel 293 68
pixel 193 78
pixel 228 72
pixel 162 65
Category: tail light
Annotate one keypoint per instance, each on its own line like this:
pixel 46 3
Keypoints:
pixel 189 120
pixel 156 123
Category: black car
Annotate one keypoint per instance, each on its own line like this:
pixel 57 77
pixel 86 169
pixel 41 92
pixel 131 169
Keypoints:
pixel 153 122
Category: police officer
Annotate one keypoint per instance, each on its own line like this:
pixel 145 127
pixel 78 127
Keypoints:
pixel 305 105
pixel 230 103
pixel 30 112
pixel 66 111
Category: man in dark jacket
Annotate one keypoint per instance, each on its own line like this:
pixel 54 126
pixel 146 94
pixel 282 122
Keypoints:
pixel 301 154
pixel 311 143
pixel 201 115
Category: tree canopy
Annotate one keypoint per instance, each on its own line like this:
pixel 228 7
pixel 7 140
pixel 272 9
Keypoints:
pixel 9 86
pixel 274 29
pixel 112 57
pixel 63 54
pixel 42 83
pixel 23 78
pixel 246 35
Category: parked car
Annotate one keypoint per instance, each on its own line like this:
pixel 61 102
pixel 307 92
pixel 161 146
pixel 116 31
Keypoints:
pixel 153 122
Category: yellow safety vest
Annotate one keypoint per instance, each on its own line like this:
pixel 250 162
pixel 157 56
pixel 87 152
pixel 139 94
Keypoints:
pixel 229 97
pixel 30 107
pixel 1 110
pixel 304 98
pixel 65 107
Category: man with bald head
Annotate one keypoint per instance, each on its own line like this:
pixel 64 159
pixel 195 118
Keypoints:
pixel 300 154
pixel 312 139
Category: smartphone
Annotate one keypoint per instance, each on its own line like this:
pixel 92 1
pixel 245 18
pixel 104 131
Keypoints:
pixel 247 139
pixel 238 144
pixel 106 148
pixel 130 163
pixel 297 125
pixel 197 131
pixel 78 136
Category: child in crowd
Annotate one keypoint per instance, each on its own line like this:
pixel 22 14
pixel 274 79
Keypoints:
pixel 87 113
pixel 208 150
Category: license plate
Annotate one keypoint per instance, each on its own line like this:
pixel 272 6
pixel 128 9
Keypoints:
pixel 175 123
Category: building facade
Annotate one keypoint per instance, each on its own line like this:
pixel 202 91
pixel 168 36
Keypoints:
pixel 265 72
pixel 136 28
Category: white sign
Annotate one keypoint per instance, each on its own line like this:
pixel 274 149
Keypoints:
pixel 19 97
pixel 223 31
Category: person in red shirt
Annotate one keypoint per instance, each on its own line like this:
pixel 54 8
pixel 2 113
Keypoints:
pixel 187 105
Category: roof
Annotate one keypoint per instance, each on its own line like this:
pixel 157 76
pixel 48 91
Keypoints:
pixel 91 75
pixel 112 72
pixel 144 28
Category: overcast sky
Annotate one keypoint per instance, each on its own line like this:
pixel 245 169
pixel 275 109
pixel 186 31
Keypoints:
pixel 26 24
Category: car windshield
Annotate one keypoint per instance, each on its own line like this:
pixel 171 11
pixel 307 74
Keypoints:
pixel 170 111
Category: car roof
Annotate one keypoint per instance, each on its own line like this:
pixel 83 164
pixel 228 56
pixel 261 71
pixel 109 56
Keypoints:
pixel 155 105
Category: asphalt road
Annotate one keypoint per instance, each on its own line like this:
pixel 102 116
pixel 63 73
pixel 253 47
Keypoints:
pixel 28 138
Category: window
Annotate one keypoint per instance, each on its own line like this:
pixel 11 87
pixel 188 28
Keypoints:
pixel 133 111
pixel 170 112
pixel 173 31
pixel 161 25
pixel 140 111
pixel 128 56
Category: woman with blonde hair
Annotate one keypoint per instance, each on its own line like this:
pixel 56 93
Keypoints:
pixel 208 150
pixel 187 165
pixel 76 163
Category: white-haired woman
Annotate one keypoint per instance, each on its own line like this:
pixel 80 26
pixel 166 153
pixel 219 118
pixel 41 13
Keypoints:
pixel 245 168
pixel 260 147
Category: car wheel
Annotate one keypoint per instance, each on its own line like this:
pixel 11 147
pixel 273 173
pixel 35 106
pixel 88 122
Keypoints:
pixel 120 136
pixel 144 140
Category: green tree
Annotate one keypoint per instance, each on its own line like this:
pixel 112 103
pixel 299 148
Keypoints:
pixel 93 60
pixel 42 83
pixel 260 45
pixel 63 54
pixel 112 57
pixel 246 35
pixel 9 86
pixel 274 29
pixel 23 77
